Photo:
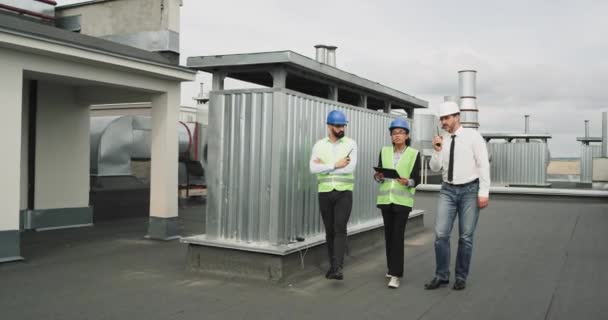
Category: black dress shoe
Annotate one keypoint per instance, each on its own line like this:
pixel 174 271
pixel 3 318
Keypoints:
pixel 435 283
pixel 459 285
pixel 329 272
pixel 336 275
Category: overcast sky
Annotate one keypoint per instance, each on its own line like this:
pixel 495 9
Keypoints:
pixel 548 59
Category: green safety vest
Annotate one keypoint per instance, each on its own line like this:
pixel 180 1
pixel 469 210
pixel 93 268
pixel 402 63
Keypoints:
pixel 392 191
pixel 330 181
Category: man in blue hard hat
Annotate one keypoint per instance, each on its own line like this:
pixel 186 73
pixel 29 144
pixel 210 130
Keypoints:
pixel 333 160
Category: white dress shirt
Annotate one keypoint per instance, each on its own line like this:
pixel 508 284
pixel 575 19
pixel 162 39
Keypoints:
pixel 470 159
pixel 330 167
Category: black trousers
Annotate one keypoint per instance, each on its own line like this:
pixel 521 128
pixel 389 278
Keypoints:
pixel 335 210
pixel 395 219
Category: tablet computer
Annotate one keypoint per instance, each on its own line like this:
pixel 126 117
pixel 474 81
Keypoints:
pixel 388 173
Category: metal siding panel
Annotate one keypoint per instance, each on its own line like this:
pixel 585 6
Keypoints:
pixel 265 186
pixel 518 163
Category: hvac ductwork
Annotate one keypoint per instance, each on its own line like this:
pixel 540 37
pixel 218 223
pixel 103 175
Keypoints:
pixel 115 141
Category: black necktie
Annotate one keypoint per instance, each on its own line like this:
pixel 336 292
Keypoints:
pixel 451 165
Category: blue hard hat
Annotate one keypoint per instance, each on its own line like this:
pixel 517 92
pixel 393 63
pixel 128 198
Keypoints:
pixel 336 117
pixel 399 123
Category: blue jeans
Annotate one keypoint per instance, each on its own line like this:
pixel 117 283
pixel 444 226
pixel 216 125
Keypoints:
pixel 461 201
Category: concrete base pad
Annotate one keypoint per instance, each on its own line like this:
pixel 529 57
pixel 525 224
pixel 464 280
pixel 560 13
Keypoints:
pixel 162 228
pixel 306 262
pixel 9 246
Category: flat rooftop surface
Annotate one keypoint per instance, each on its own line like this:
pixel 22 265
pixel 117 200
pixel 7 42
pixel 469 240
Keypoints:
pixel 527 264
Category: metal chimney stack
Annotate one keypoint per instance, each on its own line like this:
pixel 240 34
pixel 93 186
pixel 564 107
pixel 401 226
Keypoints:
pixel 468 98
pixel 586 128
pixel 527 124
pixel 321 53
pixel 326 54
pixel 331 55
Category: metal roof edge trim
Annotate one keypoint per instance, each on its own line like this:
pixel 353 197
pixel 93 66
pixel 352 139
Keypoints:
pixel 297 59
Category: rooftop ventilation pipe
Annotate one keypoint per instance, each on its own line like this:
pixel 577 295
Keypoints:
pixel 331 55
pixel 468 98
pixel 321 53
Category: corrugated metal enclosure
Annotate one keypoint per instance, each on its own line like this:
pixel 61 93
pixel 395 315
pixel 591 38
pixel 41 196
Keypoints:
pixel 588 152
pixel 261 195
pixel 260 187
pixel 518 163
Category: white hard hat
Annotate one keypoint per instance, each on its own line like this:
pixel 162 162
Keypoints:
pixel 447 108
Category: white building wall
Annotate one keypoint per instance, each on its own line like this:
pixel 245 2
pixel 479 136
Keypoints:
pixel 24 146
pixel 62 149
pixel 11 99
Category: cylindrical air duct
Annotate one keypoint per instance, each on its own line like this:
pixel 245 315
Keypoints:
pixel 527 124
pixel 331 55
pixel 468 98
pixel 466 83
pixel 586 128
pixel 321 53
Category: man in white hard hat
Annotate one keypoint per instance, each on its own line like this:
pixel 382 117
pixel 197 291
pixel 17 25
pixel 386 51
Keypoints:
pixel 464 191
